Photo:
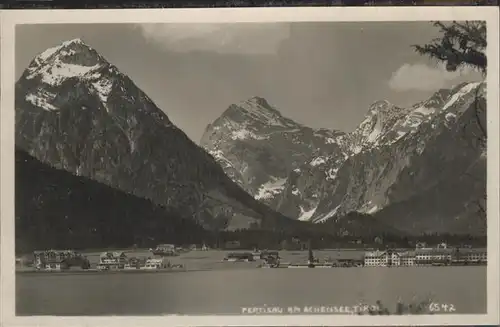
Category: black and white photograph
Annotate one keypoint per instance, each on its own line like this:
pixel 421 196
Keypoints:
pixel 281 169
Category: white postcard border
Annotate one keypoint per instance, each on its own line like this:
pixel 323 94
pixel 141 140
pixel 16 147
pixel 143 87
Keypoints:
pixel 10 18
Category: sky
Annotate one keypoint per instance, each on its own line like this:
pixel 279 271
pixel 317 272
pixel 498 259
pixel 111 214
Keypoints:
pixel 320 74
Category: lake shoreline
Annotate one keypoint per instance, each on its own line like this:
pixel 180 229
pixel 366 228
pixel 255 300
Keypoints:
pixel 213 260
pixel 235 268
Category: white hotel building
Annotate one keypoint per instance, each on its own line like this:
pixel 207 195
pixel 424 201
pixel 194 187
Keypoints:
pixel 389 258
pixel 425 256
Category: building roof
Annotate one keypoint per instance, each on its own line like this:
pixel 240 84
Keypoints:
pixel 113 254
pixel 155 260
pixel 434 251
pixel 426 251
pixel 389 252
pixel 407 254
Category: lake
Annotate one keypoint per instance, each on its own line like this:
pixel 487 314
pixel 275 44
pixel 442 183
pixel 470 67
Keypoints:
pixel 226 291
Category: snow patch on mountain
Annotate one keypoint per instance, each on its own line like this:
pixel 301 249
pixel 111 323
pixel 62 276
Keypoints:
pixel 103 88
pixel 458 95
pixel 411 122
pixel 424 110
pixel 328 215
pixel 219 156
pixel 42 99
pixel 332 173
pixel 53 67
pixel 50 51
pixel 71 59
pixel 318 161
pixel 270 189
pixel 369 208
pixel 373 209
pixel 306 215
pixel 62 71
pixel 243 134
pixel 399 135
pixel 377 130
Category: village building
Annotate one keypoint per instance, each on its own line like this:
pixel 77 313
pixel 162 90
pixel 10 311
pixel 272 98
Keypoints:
pixel 470 255
pixel 421 245
pixel 133 263
pixel 407 258
pixel 112 261
pixel 442 246
pixel 165 249
pixel 429 256
pixel 266 254
pixel 53 260
pixel 380 258
pixel 156 264
pixel 389 259
pixel 239 256
pixel 424 256
pixel 477 254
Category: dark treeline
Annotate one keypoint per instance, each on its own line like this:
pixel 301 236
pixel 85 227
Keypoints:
pixel 262 239
pixel 55 209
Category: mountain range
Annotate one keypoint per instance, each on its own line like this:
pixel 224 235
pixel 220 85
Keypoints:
pixel 97 161
pixel 414 168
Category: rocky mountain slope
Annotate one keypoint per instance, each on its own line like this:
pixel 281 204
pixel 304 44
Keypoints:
pixel 396 158
pixel 259 148
pixel 77 112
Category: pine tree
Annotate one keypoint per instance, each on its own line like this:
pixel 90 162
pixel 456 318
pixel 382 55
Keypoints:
pixel 462 44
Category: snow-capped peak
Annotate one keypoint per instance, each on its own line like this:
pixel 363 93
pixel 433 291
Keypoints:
pixel 66 49
pixel 77 41
pixel 259 101
pixel 259 106
pixel 385 123
pixel 254 111
pixel 51 51
pixel 382 108
pixel 69 59
pixel 380 104
pixel 379 118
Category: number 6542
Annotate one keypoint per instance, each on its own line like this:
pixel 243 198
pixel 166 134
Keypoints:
pixel 437 307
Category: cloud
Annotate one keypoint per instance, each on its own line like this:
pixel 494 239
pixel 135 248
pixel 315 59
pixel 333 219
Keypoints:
pixel 242 38
pixel 422 77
